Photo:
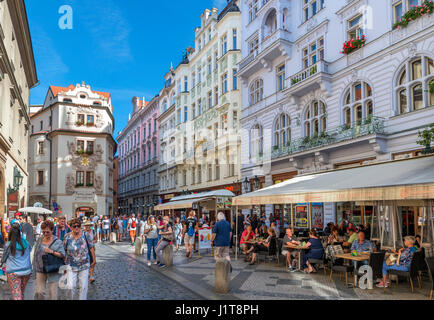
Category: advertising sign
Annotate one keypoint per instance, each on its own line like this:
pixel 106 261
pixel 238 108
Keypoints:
pixel 205 238
pixel 301 219
pixel 317 216
pixel 223 203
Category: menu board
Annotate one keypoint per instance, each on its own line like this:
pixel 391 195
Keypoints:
pixel 301 219
pixel 317 216
pixel 205 238
pixel 223 203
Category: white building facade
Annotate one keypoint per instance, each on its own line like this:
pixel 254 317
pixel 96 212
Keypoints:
pixel 307 107
pixel 71 152
pixel 17 77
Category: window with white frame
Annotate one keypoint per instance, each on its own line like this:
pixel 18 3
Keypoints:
pixel 313 53
pixel 224 83
pixel 412 88
pixel 358 104
pixel 256 141
pixel 311 8
pixel 253 10
pixel 199 107
pixel 253 45
pixel 193 80
pixel 280 74
pixel 193 111
pixel 209 65
pixel 224 43
pixel 216 95
pixel 256 91
pixel 185 84
pixel 234 79
pixel 282 131
pixel 400 7
pixel 234 39
pixel 315 118
pixel 355 27
pixel 199 75
pixel 209 99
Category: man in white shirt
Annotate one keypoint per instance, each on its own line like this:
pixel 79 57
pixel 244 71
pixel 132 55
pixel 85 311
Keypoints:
pixel 132 226
pixel 38 230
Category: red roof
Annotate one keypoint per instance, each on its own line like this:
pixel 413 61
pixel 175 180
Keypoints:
pixel 56 90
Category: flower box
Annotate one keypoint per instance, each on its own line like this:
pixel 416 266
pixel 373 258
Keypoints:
pixel 90 124
pixel 427 7
pixel 79 123
pixel 353 44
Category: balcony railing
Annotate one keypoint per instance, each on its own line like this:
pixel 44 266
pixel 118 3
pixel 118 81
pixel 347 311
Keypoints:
pixel 371 125
pixel 320 66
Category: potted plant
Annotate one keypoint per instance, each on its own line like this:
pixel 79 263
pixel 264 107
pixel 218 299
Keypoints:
pixel 79 123
pixel 90 124
pixel 426 8
pixel 89 185
pixel 89 152
pixel 79 185
pixel 353 44
pixel 80 151
pixel 426 137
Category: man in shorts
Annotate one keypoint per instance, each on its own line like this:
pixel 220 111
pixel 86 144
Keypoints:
pixel 289 240
pixel 189 232
pixel 221 238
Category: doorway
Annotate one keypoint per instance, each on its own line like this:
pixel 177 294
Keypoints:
pixel 406 214
pixel 84 212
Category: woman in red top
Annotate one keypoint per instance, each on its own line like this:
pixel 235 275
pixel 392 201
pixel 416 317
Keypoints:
pixel 246 236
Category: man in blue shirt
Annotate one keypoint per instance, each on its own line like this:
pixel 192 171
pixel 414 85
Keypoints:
pixel 61 229
pixel 221 238
pixel 361 245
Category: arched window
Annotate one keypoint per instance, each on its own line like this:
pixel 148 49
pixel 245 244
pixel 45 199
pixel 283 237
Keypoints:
pixel 256 91
pixel 282 131
pixel 358 104
pixel 412 85
pixel 315 118
pixel 256 141
pixel 270 24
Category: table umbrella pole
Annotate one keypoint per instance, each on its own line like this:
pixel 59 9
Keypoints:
pixel 236 230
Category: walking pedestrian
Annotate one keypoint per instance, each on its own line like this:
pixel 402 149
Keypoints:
pixel 120 231
pixel 27 229
pixel 61 229
pixel 38 229
pixel 18 265
pixel 80 256
pixel 178 233
pixel 106 228
pixel 45 245
pixel 132 226
pixel 151 234
pixel 166 238
pixel 125 226
pixel 87 228
pixel 221 238
pixel 189 232
pixel 99 229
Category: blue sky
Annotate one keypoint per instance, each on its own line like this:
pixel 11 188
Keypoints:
pixel 119 46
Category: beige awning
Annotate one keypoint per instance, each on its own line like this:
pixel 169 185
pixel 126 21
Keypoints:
pixel 395 180
pixel 184 204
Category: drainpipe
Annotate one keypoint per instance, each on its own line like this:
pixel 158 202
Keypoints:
pixel 51 153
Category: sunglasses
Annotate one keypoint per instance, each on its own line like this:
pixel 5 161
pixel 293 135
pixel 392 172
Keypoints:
pixel 76 226
pixel 46 232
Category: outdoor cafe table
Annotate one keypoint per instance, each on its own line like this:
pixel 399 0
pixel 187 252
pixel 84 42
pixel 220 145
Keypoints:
pixel 360 257
pixel 299 249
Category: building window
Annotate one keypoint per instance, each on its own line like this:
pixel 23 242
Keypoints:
pixel 256 91
pixel 412 85
pixel 193 111
pixel 199 107
pixel 40 178
pixel 210 99
pixel 256 141
pixel 234 79
pixel 355 28
pixel 224 83
pixel 234 39
pixel 90 147
pixel 185 84
pixel 193 80
pixel 216 95
pixel 224 44
pixel 41 147
pixel 80 145
pixel 209 65
pixel 311 8
pixel 253 10
pixel 80 119
pixel 358 103
pixel 313 53
pixel 281 77
pixel 397 11
pixel 89 179
pixel 185 114
pixel 79 178
pixel 199 75
pixel 254 45
pixel 315 119
pixel 282 131
pixel 179 116
pixel 90 119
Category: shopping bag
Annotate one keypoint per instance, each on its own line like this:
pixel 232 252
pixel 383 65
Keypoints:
pixel 65 281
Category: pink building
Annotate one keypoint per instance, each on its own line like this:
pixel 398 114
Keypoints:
pixel 138 159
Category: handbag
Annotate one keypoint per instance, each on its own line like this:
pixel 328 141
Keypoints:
pixel 51 263
pixel 88 249
pixel 391 260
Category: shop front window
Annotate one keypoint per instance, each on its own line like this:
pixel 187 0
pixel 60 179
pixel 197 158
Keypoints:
pixel 348 211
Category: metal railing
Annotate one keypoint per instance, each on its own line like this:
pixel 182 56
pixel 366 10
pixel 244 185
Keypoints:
pixel 368 126
pixel 320 66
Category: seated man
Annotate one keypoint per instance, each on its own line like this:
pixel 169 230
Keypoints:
pixel 352 237
pixel 361 245
pixel 246 236
pixel 289 240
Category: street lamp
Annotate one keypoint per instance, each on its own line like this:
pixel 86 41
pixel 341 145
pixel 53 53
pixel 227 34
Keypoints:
pixel 246 184
pixel 256 182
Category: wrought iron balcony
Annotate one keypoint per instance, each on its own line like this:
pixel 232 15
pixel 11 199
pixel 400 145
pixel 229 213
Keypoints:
pixel 371 125
pixel 309 79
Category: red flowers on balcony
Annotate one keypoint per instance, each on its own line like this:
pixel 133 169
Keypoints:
pixel 427 7
pixel 353 44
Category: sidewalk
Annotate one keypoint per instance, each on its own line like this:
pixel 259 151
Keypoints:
pixel 266 281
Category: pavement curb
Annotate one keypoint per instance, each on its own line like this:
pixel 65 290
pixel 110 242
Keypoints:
pixel 203 293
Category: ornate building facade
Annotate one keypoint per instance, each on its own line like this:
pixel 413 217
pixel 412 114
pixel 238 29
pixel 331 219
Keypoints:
pixel 309 107
pixel 17 77
pixel 71 151
pixel 138 159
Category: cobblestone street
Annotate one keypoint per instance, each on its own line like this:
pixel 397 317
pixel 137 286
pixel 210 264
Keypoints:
pixel 120 277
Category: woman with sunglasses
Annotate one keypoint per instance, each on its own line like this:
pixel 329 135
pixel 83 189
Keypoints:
pixel 151 234
pixel 79 250
pixel 47 244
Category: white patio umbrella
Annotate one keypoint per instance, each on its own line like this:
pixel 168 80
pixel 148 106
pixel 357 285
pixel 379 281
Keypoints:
pixel 35 210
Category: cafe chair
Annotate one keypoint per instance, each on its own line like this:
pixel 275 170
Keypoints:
pixel 272 251
pixel 430 264
pixel 412 273
pixel 376 260
pixel 347 269
pixel 319 263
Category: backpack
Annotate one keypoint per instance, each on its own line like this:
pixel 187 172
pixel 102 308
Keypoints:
pixel 115 224
pixel 133 224
pixel 190 230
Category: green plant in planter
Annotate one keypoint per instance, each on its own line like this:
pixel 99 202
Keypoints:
pixel 306 140
pixel 431 87
pixel 89 185
pixel 79 123
pixel 346 127
pixel 80 151
pixel 79 185
pixel 368 120
pixel 426 8
pixel 89 153
pixel 275 148
pixel 426 137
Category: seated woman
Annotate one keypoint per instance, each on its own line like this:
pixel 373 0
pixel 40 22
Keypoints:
pixel 334 236
pixel 316 251
pixel 263 245
pixel 264 232
pixel 405 255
